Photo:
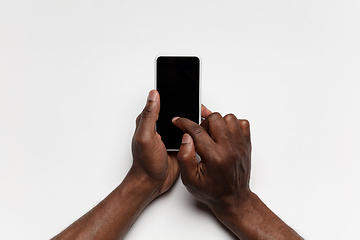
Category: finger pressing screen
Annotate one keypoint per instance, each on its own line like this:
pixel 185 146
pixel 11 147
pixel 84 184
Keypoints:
pixel 201 138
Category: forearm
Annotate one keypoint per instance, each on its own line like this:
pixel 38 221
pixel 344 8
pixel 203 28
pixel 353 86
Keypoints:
pixel 112 218
pixel 252 219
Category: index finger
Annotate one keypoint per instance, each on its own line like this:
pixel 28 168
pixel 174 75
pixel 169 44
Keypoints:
pixel 203 142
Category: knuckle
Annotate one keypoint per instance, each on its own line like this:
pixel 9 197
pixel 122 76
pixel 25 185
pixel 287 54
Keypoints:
pixel 230 117
pixel 245 123
pixel 226 155
pixel 182 156
pixel 217 159
pixel 141 139
pixel 214 115
pixel 196 130
pixel 146 113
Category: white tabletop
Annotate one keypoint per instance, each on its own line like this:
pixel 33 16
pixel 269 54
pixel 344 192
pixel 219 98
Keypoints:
pixel 75 74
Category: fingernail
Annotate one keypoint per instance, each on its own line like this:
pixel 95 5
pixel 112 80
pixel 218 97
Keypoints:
pixel 152 96
pixel 175 118
pixel 205 107
pixel 186 139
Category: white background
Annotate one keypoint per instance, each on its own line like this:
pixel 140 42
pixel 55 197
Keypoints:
pixel 75 74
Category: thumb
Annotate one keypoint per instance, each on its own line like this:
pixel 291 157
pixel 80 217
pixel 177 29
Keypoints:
pixel 150 114
pixel 187 159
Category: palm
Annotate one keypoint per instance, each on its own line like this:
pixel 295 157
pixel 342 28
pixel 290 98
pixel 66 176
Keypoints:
pixel 168 166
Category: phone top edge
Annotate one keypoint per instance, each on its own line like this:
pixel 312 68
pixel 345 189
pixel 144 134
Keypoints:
pixel 177 55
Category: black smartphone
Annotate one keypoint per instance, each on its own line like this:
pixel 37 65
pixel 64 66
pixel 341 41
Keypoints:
pixel 178 83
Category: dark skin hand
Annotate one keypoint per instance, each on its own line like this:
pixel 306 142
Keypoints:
pixel 150 157
pixel 153 172
pixel 221 179
pixel 149 153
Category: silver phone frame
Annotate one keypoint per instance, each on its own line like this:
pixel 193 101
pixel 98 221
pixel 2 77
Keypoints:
pixel 200 82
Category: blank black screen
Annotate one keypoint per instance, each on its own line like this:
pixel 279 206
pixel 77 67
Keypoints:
pixel 178 82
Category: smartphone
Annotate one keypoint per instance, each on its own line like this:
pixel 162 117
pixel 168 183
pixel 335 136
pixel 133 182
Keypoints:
pixel 178 83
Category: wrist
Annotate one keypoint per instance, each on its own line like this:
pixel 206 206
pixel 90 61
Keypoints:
pixel 236 211
pixel 250 218
pixel 142 182
pixel 230 205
